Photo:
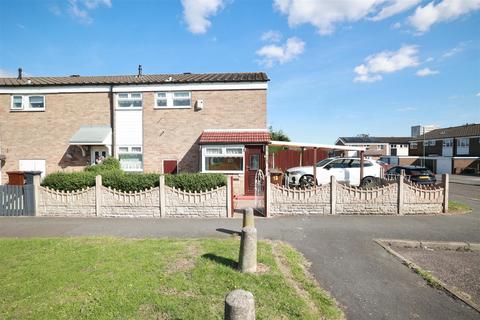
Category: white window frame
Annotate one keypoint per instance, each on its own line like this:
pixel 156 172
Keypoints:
pixel 223 154
pixel 26 106
pixel 447 143
pixel 465 144
pixel 430 143
pixel 128 98
pixel 413 145
pixel 170 98
pixel 130 150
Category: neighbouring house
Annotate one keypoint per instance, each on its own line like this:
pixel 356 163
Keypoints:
pixel 448 150
pixel 172 122
pixel 376 147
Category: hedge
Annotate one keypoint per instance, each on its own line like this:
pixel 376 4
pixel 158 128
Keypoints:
pixel 127 182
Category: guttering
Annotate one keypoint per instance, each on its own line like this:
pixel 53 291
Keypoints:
pixel 315 145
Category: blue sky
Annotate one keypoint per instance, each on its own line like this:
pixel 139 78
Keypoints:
pixel 337 68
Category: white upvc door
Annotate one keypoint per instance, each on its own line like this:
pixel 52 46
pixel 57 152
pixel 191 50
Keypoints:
pixel 96 152
pixel 32 165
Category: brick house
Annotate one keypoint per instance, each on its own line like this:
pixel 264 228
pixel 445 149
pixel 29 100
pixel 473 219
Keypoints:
pixel 450 150
pixel 376 146
pixel 148 122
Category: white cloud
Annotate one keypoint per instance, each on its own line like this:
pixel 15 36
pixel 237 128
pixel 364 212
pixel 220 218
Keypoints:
pixel 405 109
pixel 386 62
pixel 55 10
pixel 426 72
pixel 446 10
pixel 6 74
pixel 272 53
pixel 80 10
pixel 450 53
pixel 271 36
pixel 396 25
pixel 197 12
pixel 394 7
pixel 478 94
pixel 324 14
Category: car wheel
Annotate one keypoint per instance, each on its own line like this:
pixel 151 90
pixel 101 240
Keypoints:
pixel 368 181
pixel 306 182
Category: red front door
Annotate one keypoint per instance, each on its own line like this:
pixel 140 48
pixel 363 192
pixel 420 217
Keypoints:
pixel 254 161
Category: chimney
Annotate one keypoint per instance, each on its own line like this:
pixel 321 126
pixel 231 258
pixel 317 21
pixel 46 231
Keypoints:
pixel 19 74
pixel 139 70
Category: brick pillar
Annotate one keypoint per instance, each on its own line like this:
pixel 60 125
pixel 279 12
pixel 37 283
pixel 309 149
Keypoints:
pixel 161 190
pixel 446 190
pixel 400 191
pixel 98 194
pixel 333 195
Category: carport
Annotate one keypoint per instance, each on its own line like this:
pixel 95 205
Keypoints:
pixel 315 146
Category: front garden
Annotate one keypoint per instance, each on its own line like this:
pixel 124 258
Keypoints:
pixel 114 278
pixel 116 178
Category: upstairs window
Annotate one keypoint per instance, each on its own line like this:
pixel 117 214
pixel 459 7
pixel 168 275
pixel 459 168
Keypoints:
pixel 413 145
pixel 28 103
pixel 447 143
pixel 129 101
pixel 463 142
pixel 173 99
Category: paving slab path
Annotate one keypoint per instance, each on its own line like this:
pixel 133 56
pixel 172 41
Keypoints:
pixel 367 281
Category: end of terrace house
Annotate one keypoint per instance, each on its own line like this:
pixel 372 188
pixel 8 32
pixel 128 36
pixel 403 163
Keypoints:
pixel 215 122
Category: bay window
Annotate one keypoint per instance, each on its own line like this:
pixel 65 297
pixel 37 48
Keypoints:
pixel 226 159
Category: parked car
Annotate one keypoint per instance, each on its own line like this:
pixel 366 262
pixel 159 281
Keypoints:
pixel 415 174
pixel 344 170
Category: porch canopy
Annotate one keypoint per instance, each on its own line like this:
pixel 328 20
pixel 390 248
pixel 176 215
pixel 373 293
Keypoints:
pixel 315 146
pixel 235 136
pixel 92 135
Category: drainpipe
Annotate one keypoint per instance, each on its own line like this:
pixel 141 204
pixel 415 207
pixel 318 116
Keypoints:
pixel 112 120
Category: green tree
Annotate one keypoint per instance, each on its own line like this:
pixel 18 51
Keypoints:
pixel 278 135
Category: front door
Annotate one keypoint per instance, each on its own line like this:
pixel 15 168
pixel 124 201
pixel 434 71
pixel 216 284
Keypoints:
pixel 98 154
pixel 254 161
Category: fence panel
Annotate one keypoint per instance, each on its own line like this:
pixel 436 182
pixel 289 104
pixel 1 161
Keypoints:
pixel 17 200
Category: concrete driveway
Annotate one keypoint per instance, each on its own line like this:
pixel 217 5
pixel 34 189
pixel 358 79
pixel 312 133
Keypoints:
pixel 367 281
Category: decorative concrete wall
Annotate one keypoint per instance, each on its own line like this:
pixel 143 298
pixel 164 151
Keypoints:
pixel 156 202
pixel 130 204
pixel 353 200
pixel 68 204
pixel 211 203
pixel 422 199
pixel 285 201
pixel 393 198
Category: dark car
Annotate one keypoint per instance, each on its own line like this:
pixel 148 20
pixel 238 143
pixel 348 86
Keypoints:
pixel 415 174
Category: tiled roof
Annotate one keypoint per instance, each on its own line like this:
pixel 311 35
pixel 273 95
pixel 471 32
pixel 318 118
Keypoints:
pixel 134 79
pixel 235 136
pixel 467 130
pixel 392 140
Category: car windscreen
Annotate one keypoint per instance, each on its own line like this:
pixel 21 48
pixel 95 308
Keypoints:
pixel 323 162
pixel 418 172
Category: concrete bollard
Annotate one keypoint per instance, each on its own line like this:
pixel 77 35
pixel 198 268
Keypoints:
pixel 239 305
pixel 247 261
pixel 248 218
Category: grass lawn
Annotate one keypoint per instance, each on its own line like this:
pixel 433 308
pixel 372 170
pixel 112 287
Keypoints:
pixel 116 278
pixel 458 207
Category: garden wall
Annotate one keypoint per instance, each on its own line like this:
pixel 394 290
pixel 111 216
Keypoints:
pixel 394 198
pixel 158 202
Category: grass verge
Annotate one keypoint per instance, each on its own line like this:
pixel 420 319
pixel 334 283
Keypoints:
pixel 458 207
pixel 112 278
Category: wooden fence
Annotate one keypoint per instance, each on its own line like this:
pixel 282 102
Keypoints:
pixel 17 200
pixel 285 159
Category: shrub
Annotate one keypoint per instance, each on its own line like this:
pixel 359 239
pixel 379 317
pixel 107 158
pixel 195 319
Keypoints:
pixel 117 179
pixel 108 164
pixel 195 181
pixel 70 181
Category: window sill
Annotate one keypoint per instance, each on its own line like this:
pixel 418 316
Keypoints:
pixel 27 110
pixel 161 108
